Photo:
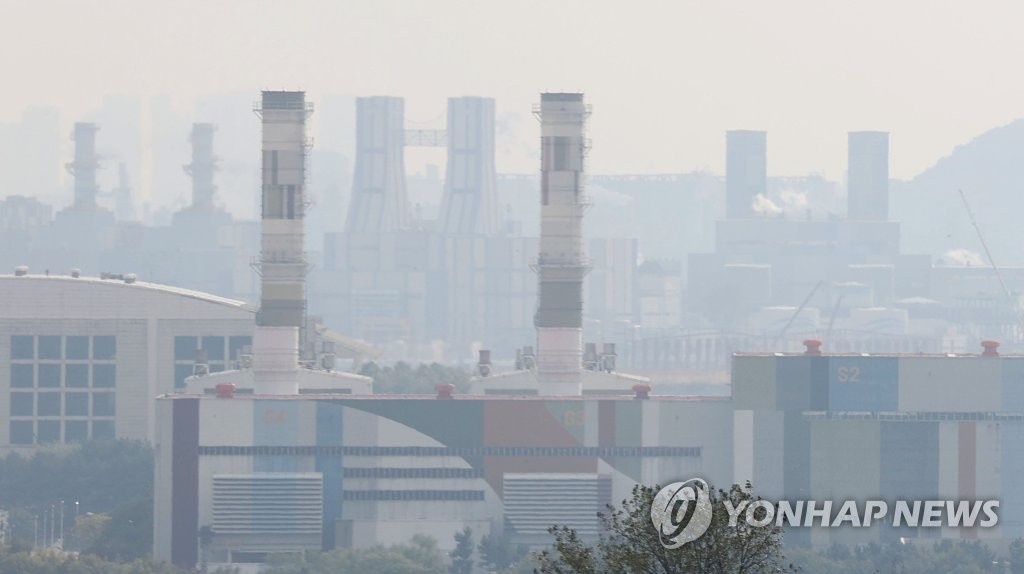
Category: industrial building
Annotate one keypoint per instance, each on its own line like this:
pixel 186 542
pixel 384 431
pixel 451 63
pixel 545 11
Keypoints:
pixel 353 469
pixel 366 470
pixel 84 356
pixel 859 426
pixel 438 289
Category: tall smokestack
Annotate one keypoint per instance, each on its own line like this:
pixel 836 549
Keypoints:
pixel 746 173
pixel 379 200
pixel 561 263
pixel 282 260
pixel 470 203
pixel 202 167
pixel 84 166
pixel 867 185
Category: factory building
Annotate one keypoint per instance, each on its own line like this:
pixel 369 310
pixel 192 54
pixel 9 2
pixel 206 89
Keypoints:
pixel 882 427
pixel 775 272
pixel 437 289
pixel 364 470
pixel 84 356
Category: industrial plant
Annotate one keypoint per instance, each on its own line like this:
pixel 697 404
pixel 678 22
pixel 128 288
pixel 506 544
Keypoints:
pixel 801 350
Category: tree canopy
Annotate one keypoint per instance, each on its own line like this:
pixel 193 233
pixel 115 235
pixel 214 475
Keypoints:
pixel 402 378
pixel 631 544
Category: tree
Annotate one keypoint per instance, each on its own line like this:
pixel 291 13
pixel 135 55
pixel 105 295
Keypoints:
pixel 630 543
pixel 462 555
pixel 420 556
pixel 88 529
pixel 1017 556
pixel 403 379
pixel 497 553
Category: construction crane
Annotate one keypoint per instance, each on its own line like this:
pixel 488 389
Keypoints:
pixel 1002 283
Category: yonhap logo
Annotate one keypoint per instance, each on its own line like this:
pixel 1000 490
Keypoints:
pixel 681 512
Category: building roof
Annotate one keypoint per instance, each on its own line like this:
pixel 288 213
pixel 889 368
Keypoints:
pixel 120 283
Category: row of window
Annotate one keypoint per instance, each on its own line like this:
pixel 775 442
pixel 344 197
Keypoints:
pixel 413 495
pixel 76 404
pixel 555 451
pixel 413 473
pixel 185 347
pixel 70 375
pixel 43 431
pixel 219 350
pixel 57 347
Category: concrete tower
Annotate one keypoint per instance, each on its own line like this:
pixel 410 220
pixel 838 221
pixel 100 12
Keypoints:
pixel 282 259
pixel 746 173
pixel 867 185
pixel 379 200
pixel 470 204
pixel 85 165
pixel 561 264
pixel 202 167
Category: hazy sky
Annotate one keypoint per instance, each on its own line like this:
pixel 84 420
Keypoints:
pixel 666 79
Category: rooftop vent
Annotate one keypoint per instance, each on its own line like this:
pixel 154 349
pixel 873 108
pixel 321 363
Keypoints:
pixel 813 346
pixel 608 357
pixel 76 272
pixel 483 364
pixel 444 390
pixel 130 278
pixel 641 391
pixel 225 390
pixel 21 271
pixel 991 348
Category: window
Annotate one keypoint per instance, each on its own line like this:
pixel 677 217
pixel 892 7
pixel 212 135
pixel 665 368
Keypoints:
pixel 76 431
pixel 185 348
pixel 22 376
pixel 103 404
pixel 104 376
pixel 76 404
pixel 76 376
pixel 214 347
pixel 103 430
pixel 21 432
pixel 77 347
pixel 49 375
pixel 48 404
pixel 49 431
pixel 180 373
pixel 23 347
pixel 49 347
pixel 235 345
pixel 104 347
pixel 21 404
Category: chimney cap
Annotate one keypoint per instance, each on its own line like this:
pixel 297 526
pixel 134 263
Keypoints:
pixel 444 390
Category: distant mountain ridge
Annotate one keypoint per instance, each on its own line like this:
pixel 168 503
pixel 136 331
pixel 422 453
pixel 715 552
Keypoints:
pixel 990 170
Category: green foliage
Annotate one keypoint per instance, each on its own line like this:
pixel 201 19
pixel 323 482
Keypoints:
pixel 497 553
pixel 462 554
pixel 915 557
pixel 88 529
pixel 101 475
pixel 22 561
pixel 420 556
pixel 112 480
pixel 403 379
pixel 631 544
pixel 128 535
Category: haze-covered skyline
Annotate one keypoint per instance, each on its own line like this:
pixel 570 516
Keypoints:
pixel 666 79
